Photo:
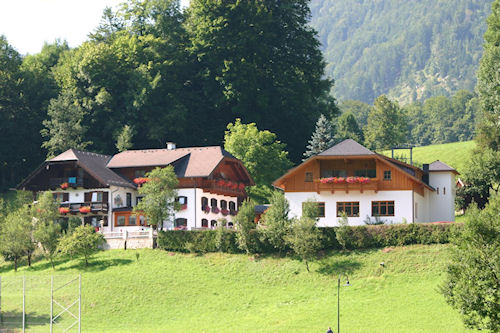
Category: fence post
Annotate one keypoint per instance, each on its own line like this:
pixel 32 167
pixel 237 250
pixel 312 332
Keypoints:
pixel 80 304
pixel 24 303
pixel 51 301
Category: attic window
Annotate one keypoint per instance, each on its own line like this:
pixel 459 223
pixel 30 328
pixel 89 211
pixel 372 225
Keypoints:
pixel 308 178
pixel 387 175
pixel 444 190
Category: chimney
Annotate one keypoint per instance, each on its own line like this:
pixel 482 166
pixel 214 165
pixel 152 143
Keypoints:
pixel 425 177
pixel 170 145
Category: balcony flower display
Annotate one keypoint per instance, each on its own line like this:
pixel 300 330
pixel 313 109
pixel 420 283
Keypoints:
pixel 351 180
pixel 363 180
pixel 215 210
pixel 64 210
pixel 85 209
pixel 224 212
pixel 221 183
pixel 241 186
pixel 233 212
pixel 64 186
pixel 341 180
pixel 141 180
pixel 206 209
pixel 184 207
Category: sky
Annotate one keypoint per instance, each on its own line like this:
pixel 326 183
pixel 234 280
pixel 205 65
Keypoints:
pixel 27 24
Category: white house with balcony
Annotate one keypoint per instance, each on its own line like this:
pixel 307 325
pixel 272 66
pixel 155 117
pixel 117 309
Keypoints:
pixel 366 186
pixel 102 190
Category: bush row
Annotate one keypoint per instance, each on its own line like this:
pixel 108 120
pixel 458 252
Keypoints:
pixel 357 237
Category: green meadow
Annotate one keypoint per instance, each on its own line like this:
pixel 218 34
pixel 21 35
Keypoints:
pixel 157 291
pixel 454 154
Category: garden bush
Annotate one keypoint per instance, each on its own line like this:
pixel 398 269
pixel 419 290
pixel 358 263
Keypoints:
pixel 356 237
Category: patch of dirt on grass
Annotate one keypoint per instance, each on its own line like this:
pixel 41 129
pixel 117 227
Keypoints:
pixel 387 249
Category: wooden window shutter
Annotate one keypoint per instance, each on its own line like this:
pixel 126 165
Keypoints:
pixel 87 197
pixel 105 196
pixel 65 197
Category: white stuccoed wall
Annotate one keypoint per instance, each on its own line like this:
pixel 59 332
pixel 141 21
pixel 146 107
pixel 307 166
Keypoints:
pixel 402 205
pixel 421 206
pixel 442 206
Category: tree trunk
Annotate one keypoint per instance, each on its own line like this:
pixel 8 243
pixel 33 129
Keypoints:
pixel 307 266
pixel 86 262
pixel 29 258
pixel 15 264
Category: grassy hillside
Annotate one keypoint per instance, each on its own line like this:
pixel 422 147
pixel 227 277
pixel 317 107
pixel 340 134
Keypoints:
pixel 454 154
pixel 166 292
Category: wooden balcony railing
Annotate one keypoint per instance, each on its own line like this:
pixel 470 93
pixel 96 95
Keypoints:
pixel 372 185
pixel 82 207
pixel 72 182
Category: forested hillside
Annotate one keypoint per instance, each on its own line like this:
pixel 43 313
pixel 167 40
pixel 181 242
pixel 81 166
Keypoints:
pixel 410 50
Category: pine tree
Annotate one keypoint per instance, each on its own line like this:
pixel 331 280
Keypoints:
pixel 322 138
pixel 488 81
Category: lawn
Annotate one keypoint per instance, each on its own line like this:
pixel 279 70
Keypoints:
pixel 172 292
pixel 454 154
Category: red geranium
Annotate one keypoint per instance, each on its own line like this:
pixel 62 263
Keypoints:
pixel 141 180
pixel 85 209
pixel 64 186
pixel 64 210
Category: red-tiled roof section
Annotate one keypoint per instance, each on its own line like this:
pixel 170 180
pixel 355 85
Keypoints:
pixel 201 161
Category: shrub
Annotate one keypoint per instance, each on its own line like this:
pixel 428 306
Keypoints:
pixel 83 242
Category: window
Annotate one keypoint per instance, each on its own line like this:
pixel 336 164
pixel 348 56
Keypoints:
pixel 182 200
pixel 213 202
pixel 120 220
pixel 132 220
pixel 382 208
pixel 370 173
pixel 129 199
pixel 204 202
pixel 61 197
pixel 142 220
pixel 96 197
pixel 204 223
pixel 350 208
pixel 139 173
pixel 308 177
pixel 213 223
pixel 137 200
pixel 339 173
pixel 320 207
pixel 180 223
pixel 437 190
pixel 232 205
pixel 387 175
pixel 444 190
pixel 223 204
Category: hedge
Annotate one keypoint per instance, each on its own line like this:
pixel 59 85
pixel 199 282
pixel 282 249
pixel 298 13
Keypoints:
pixel 357 237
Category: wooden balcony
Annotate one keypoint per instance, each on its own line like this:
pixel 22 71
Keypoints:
pixel 371 185
pixel 72 182
pixel 79 208
pixel 214 187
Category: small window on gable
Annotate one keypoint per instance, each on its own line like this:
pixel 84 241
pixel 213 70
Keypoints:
pixel 444 190
pixel 437 190
pixel 387 175
pixel 308 178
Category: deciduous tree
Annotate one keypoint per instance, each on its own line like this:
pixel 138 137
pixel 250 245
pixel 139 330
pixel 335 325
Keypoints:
pixel 473 279
pixel 276 222
pixel 82 242
pixel 16 235
pixel 244 222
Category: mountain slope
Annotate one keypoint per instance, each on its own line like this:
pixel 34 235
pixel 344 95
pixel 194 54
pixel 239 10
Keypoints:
pixel 410 50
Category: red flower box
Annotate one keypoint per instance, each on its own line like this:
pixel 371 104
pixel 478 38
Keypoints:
pixel 206 209
pixel 215 210
pixel 224 212
pixel 85 209
pixel 63 210
pixel 141 180
pixel 184 207
pixel 64 186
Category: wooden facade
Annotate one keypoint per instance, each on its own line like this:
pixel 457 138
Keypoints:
pixel 306 177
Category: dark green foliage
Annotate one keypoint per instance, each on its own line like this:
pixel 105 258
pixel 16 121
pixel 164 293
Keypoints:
pixel 244 222
pixel 275 221
pixel 472 284
pixel 488 83
pixel 481 177
pixel 304 238
pixel 347 128
pixel 410 50
pixel 16 235
pixel 359 109
pixel 322 138
pixel 387 125
pixel 259 60
pixel 442 119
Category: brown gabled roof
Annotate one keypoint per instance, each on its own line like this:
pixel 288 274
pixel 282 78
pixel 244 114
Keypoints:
pixel 347 147
pixel 95 165
pixel 194 161
pixel 438 166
